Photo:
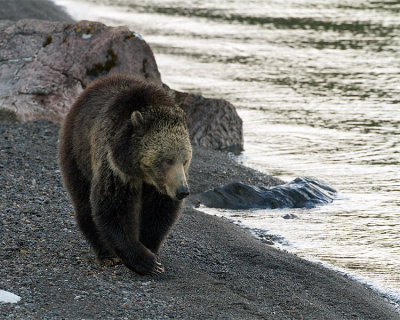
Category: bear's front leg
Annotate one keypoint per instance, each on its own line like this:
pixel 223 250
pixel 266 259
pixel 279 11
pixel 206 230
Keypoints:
pixel 158 213
pixel 116 211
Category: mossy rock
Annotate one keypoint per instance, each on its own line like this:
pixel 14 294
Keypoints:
pixel 48 40
pixel 99 69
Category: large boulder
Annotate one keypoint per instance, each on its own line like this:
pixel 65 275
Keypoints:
pixel 45 65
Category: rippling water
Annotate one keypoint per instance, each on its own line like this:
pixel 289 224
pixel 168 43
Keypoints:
pixel 317 84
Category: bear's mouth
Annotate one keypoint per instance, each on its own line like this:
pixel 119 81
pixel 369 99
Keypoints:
pixel 160 186
pixel 161 189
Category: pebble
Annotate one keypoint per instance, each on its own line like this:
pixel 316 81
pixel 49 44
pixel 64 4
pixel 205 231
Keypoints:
pixel 290 216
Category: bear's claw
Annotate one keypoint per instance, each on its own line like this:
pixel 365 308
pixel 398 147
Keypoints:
pixel 156 269
pixel 144 262
pixel 159 269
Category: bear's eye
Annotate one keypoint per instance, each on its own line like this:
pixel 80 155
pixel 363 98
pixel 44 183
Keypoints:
pixel 169 162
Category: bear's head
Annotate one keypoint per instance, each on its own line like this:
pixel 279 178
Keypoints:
pixel 164 151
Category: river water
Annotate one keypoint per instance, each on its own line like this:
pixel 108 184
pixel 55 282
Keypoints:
pixel 317 83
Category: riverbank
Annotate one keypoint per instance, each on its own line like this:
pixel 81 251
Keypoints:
pixel 214 269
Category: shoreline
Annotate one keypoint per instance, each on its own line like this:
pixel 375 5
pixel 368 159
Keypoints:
pixel 214 268
pixel 391 296
pixel 278 242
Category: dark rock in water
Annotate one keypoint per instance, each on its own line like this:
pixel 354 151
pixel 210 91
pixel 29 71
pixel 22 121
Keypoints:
pixel 304 192
pixel 290 216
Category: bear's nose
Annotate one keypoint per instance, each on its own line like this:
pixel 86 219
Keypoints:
pixel 182 192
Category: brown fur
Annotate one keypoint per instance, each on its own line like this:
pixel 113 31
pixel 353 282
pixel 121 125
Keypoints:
pixel 124 155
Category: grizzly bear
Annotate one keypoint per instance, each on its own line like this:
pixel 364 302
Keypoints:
pixel 124 155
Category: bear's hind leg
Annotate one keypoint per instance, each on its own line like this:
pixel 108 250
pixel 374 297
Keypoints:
pixel 79 190
pixel 88 228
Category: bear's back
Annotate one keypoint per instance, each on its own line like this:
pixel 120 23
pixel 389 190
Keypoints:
pixel 117 97
pixel 100 111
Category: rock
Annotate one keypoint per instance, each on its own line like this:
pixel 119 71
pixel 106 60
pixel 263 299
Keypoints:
pixel 300 193
pixel 290 216
pixel 8 297
pixel 45 65
pixel 213 123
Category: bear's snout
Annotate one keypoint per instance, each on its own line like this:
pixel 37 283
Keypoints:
pixel 182 192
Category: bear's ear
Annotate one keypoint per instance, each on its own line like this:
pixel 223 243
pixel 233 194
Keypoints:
pixel 137 119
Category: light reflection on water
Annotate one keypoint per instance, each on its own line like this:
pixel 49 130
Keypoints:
pixel 317 84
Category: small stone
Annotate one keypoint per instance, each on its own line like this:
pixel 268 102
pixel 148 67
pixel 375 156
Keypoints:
pixel 267 241
pixel 196 203
pixel 290 216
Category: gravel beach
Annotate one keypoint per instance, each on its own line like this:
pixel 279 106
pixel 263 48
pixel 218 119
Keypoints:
pixel 214 269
